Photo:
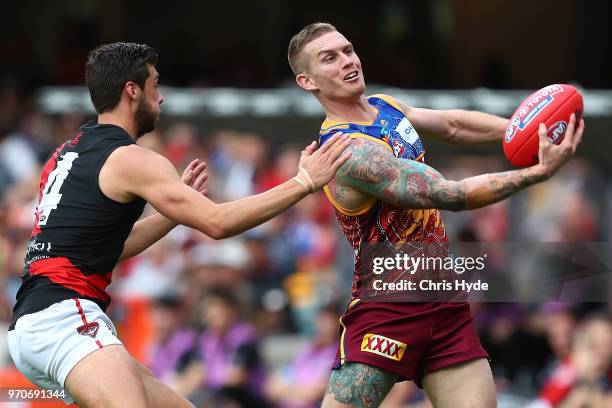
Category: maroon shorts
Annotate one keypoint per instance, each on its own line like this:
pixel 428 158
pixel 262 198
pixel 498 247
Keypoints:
pixel 408 339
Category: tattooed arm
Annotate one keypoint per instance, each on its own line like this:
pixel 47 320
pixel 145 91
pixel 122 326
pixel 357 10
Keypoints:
pixel 374 171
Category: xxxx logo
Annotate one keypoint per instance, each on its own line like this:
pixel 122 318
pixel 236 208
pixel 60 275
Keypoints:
pixel 383 346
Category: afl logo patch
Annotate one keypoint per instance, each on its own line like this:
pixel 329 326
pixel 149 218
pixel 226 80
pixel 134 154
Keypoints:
pixel 556 132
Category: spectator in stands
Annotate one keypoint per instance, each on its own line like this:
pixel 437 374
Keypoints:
pixel 225 367
pixel 302 383
pixel 171 339
pixel 581 379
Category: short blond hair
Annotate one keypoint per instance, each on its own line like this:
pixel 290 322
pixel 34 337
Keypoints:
pixel 299 41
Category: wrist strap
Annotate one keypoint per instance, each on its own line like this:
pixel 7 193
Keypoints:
pixel 312 184
pixel 302 183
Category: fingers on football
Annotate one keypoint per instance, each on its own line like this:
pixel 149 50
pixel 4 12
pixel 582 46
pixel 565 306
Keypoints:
pixel 579 133
pixel 542 134
pixel 570 133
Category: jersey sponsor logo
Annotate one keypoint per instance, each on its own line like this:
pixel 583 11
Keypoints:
pixel 37 258
pixel 89 329
pixel 406 131
pixel 404 140
pixel 383 346
pixel 38 246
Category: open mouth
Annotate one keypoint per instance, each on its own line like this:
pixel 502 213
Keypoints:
pixel 351 76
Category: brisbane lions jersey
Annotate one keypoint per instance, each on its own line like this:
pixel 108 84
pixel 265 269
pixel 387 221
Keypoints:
pixel 378 222
pixel 79 232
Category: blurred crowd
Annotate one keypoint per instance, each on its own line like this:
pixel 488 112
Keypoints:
pixel 252 321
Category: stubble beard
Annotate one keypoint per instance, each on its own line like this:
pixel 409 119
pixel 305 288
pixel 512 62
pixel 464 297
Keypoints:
pixel 145 119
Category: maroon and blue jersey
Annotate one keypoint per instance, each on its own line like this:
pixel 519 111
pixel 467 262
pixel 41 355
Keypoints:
pixel 398 332
pixel 377 222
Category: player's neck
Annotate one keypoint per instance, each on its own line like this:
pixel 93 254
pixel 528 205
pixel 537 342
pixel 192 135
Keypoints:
pixel 119 118
pixel 349 111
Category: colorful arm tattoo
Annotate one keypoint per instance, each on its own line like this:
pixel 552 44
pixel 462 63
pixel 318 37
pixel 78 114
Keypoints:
pixel 373 170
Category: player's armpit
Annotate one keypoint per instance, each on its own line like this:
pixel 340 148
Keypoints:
pixel 373 170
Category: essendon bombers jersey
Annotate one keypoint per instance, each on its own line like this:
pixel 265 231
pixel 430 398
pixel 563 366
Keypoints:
pixel 79 232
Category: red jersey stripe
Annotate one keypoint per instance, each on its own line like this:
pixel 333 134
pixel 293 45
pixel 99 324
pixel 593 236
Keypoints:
pixel 61 271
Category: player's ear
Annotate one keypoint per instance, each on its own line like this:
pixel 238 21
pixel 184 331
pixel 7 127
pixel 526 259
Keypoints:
pixel 132 90
pixel 306 82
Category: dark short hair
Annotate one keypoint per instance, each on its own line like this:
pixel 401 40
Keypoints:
pixel 110 66
pixel 299 41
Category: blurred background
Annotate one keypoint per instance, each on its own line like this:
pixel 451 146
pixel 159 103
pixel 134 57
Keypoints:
pixel 253 321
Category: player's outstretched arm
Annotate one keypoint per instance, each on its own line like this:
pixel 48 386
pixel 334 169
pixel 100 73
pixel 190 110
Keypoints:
pixel 373 170
pixel 134 171
pixel 151 229
pixel 456 126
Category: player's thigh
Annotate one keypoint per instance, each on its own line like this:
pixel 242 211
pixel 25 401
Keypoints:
pixel 358 385
pixel 159 394
pixel 402 392
pixel 107 377
pixel 465 385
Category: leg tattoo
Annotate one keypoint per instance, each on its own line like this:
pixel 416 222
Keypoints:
pixel 360 385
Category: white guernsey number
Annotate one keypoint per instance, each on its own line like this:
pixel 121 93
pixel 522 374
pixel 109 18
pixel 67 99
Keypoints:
pixel 51 193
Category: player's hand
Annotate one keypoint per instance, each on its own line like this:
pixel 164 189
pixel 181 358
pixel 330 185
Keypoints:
pixel 321 164
pixel 553 156
pixel 195 177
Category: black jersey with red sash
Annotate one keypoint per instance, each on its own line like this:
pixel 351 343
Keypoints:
pixel 79 232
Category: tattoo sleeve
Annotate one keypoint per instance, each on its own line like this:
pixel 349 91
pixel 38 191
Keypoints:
pixel 373 170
